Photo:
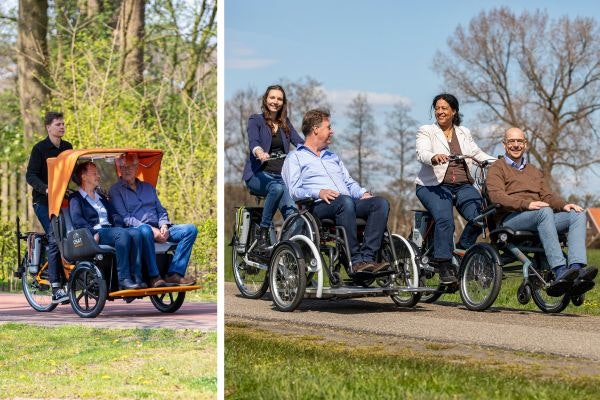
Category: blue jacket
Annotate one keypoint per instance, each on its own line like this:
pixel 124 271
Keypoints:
pixel 259 134
pixel 83 215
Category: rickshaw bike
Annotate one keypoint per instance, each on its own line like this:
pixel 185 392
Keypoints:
pixel 310 259
pixel 90 277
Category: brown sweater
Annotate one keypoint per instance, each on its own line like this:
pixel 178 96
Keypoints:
pixel 514 189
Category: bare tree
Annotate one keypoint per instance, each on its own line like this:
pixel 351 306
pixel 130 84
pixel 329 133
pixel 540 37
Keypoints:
pixel 401 128
pixel 361 139
pixel 237 111
pixel 31 64
pixel 303 95
pixel 534 73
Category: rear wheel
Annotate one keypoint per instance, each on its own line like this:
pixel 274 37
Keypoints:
pixel 36 287
pixel 87 290
pixel 480 277
pixel 406 271
pixel 287 278
pixel 251 281
pixel 168 302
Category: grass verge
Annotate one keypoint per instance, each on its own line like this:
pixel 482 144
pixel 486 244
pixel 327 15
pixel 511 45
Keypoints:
pixel 88 363
pixel 261 365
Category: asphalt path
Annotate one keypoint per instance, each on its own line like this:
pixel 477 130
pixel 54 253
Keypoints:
pixel 116 314
pixel 561 334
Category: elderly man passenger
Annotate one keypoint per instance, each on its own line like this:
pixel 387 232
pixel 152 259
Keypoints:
pixel 138 204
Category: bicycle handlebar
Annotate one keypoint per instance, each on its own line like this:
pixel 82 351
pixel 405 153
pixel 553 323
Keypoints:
pixel 462 157
pixel 275 156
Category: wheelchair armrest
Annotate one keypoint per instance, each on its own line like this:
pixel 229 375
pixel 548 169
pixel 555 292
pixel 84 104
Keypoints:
pixel 307 202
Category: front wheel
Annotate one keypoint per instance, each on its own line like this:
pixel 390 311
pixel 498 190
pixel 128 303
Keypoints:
pixel 252 282
pixel 287 277
pixel 36 288
pixel 548 304
pixel 480 277
pixel 87 290
pixel 168 302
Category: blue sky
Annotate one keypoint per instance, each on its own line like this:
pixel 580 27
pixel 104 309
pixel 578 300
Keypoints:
pixel 383 48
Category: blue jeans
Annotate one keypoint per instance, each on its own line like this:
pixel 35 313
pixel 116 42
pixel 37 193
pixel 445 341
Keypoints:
pixel 549 224
pixel 438 201
pixel 277 196
pixel 121 239
pixel 344 210
pixel 52 251
pixel 148 254
pixel 185 236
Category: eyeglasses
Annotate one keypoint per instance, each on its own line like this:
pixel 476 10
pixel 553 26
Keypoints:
pixel 515 141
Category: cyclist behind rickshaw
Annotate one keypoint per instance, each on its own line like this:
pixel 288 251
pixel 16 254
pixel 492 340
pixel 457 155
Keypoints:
pixel 37 178
pixel 529 204
pixel 315 172
pixel 442 184
pixel 138 205
pixel 90 209
pixel 270 133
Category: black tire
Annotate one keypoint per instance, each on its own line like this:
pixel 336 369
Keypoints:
pixel 406 270
pixel 168 302
pixel 480 277
pixel 252 282
pixel 36 288
pixel 431 279
pixel 287 278
pixel 548 304
pixel 87 290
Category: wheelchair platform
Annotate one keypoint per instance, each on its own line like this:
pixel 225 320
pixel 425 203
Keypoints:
pixel 152 291
pixel 358 291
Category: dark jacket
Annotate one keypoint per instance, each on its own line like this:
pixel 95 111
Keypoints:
pixel 83 215
pixel 259 134
pixel 37 169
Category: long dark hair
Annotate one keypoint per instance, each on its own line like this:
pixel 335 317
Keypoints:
pixel 453 102
pixel 280 118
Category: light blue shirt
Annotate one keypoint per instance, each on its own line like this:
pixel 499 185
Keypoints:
pixel 99 207
pixel 305 174
pixel 513 164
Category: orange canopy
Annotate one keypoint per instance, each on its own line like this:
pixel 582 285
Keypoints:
pixel 60 169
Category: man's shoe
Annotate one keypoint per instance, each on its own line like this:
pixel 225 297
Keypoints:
pixel 127 284
pixel 59 296
pixel 563 281
pixel 447 276
pixel 180 280
pixel 362 266
pixel 157 282
pixel 380 266
pixel 141 284
pixel 580 286
pixel 587 273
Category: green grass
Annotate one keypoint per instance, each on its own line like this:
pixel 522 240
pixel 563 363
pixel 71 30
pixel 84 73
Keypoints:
pixel 78 362
pixel 259 365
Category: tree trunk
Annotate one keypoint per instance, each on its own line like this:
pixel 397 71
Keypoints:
pixel 131 40
pixel 31 61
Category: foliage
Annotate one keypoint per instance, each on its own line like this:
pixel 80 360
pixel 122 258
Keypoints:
pixel 91 363
pixel 8 251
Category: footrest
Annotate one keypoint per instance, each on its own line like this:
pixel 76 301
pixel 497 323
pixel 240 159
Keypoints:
pixel 152 291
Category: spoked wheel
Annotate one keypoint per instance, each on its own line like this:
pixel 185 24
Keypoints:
pixel 287 277
pixel 547 304
pixel 168 302
pixel 87 290
pixel 431 279
pixel 480 277
pixel 36 288
pixel 251 281
pixel 406 270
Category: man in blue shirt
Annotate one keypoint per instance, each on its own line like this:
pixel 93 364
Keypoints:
pixel 315 172
pixel 139 205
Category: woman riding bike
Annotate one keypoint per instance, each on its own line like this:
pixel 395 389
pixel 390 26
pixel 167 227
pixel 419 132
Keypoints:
pixel 270 133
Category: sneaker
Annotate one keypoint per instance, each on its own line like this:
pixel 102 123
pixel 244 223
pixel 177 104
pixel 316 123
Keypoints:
pixel 447 275
pixel 363 266
pixel 59 296
pixel 380 266
pixel 180 280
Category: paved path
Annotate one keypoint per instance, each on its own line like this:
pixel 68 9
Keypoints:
pixel 116 314
pixel 512 329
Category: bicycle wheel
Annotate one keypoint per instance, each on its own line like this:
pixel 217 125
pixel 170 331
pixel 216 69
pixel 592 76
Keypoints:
pixel 480 277
pixel 168 302
pixel 252 282
pixel 547 304
pixel 87 290
pixel 36 287
pixel 287 277
pixel 406 267
pixel 427 278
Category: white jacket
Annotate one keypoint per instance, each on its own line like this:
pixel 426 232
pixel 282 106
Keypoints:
pixel 431 141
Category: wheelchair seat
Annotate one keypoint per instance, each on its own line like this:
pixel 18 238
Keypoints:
pixel 520 236
pixel 329 223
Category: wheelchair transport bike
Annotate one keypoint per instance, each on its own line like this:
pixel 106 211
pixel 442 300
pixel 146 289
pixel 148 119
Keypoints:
pixel 90 277
pixel 310 259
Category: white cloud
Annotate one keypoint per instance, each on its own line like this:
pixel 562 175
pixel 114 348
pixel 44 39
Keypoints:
pixel 245 58
pixel 340 99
